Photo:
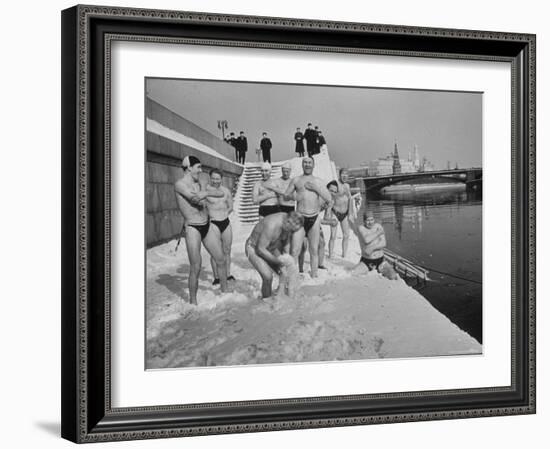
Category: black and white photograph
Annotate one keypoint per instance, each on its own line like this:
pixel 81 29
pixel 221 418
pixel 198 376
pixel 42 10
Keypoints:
pixel 292 223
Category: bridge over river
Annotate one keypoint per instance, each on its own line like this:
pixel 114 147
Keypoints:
pixel 472 177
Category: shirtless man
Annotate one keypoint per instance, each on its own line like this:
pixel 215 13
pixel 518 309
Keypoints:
pixel 310 192
pixel 342 211
pixel 338 213
pixel 263 195
pixel 267 243
pixel 372 240
pixel 282 184
pixel 191 199
pixel 321 249
pixel 219 209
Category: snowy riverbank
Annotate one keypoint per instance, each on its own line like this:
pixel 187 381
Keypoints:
pixel 335 317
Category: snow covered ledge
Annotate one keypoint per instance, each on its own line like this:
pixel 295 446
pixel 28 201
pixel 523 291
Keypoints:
pixel 334 317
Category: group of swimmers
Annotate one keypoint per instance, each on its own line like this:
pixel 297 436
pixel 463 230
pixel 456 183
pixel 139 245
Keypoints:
pixel 291 213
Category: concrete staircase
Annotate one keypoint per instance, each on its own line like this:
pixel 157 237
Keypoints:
pixel 246 210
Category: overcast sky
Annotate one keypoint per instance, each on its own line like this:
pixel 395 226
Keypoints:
pixel 359 123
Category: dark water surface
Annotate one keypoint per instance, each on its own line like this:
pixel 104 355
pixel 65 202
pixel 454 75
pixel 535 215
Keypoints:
pixel 440 229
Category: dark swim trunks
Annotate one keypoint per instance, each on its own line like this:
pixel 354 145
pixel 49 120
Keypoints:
pixel 264 211
pixel 340 215
pixel 221 224
pixel 286 209
pixel 372 264
pixel 203 229
pixel 309 222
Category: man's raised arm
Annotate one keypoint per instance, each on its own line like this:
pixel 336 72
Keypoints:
pixel 352 220
pixel 289 192
pixel 185 191
pixel 213 193
pixel 228 200
pixel 328 218
pixel 379 233
pixel 258 198
pixel 274 188
pixel 325 194
pixel 317 187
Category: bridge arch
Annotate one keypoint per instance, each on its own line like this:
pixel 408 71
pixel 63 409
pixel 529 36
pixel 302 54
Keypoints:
pixel 470 177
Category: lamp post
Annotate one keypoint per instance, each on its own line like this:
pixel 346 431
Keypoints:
pixel 222 124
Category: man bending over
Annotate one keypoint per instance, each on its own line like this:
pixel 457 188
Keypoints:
pixel 268 242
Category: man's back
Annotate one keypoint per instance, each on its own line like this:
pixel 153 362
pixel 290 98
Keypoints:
pixel 268 230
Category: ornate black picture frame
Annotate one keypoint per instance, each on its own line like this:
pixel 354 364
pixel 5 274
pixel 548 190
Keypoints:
pixel 87 34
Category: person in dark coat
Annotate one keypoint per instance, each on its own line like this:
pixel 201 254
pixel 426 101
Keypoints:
pixel 265 145
pixel 232 140
pixel 316 146
pixel 310 136
pixel 242 147
pixel 320 140
pixel 299 138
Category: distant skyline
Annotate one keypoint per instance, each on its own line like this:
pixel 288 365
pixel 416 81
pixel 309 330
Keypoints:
pixel 359 123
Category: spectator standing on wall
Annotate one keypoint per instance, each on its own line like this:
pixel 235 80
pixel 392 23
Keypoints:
pixel 310 136
pixel 242 147
pixel 316 145
pixel 321 141
pixel 232 140
pixel 299 138
pixel 266 145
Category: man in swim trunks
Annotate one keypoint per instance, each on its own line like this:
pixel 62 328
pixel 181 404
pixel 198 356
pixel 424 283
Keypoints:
pixel 191 199
pixel 321 249
pixel 268 241
pixel 343 212
pixel 219 209
pixel 279 186
pixel 372 240
pixel 338 213
pixel 310 193
pixel 263 194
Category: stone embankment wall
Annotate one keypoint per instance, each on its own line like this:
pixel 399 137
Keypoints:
pixel 163 168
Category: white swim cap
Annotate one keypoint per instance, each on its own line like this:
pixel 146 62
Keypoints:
pixel 189 161
pixel 286 165
pixel 266 166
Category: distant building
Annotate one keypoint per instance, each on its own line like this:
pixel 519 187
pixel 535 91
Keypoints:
pixel 426 165
pixel 408 167
pixel 396 166
pixel 393 164
pixel 381 167
pixel 416 159
pixel 359 172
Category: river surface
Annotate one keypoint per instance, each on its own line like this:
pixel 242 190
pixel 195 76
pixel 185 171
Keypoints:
pixel 440 229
